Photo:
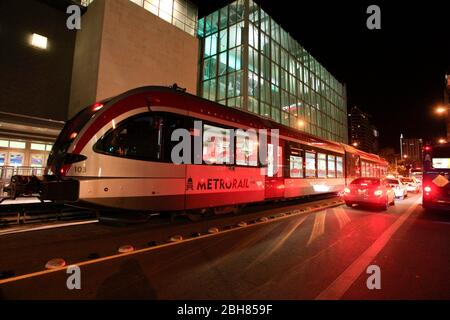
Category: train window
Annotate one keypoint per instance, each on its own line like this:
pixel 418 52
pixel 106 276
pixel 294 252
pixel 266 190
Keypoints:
pixel 296 167
pixel 137 138
pixel 246 148
pixel 363 169
pixel 331 166
pixel 339 167
pixel 271 161
pixel 310 159
pixel 173 122
pixel 216 145
pixel 322 165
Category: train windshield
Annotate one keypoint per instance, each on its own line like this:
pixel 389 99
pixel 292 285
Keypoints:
pixel 70 132
pixel 366 182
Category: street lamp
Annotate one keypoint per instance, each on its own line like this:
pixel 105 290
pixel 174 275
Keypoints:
pixel 443 110
pixel 442 141
pixel 355 144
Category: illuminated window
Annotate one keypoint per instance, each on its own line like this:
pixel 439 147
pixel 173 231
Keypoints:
pixel 339 167
pixel 38 146
pixel 2 158
pixel 246 148
pixel 331 167
pixel 16 159
pixel 271 161
pixel 216 145
pixel 310 167
pixel 37 160
pixel 39 41
pixel 48 147
pixel 4 143
pixel 17 145
pixel 296 167
pixel 322 165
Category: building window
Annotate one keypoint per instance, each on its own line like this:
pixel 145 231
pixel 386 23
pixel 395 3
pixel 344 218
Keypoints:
pixel 37 160
pixel 296 167
pixel 2 158
pixel 4 143
pixel 17 145
pixel 310 159
pixel 322 165
pixel 39 41
pixel 15 159
pixel 37 146
pixel 216 145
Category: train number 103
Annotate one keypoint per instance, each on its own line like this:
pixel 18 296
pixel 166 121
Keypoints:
pixel 79 169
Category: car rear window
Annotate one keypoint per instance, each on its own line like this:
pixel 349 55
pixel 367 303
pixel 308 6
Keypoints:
pixel 366 181
pixel 392 181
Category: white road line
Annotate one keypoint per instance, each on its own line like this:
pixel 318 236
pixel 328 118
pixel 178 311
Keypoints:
pixel 340 286
pixel 46 227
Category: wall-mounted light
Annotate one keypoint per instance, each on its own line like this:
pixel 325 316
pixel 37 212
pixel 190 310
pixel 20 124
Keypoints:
pixel 39 41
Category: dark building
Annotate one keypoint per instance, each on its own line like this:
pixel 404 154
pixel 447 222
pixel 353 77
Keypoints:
pixel 363 134
pixel 412 152
pixel 36 58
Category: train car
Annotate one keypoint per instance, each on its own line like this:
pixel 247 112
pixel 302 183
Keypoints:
pixel 118 153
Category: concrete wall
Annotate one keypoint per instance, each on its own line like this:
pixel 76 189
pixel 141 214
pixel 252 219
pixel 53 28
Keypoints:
pixel 86 58
pixel 34 82
pixel 136 48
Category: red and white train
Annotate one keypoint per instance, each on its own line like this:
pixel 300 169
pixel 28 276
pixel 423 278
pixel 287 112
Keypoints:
pixel 117 154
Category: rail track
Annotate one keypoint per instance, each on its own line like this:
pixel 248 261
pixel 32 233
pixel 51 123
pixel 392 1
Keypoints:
pixel 29 213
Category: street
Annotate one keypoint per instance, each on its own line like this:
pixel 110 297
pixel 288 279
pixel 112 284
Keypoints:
pixel 322 254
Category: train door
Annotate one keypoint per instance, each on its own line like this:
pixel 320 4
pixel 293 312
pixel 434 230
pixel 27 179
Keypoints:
pixel 274 186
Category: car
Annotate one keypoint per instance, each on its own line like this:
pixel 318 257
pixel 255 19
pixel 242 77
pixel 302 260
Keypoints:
pixel 400 189
pixel 412 184
pixel 369 191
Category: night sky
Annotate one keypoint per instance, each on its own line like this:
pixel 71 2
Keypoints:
pixel 396 74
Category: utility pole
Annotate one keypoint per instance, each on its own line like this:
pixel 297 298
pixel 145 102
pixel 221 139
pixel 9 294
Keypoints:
pixel 401 146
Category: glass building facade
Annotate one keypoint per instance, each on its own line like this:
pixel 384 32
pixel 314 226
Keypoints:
pixel 249 62
pixel 180 13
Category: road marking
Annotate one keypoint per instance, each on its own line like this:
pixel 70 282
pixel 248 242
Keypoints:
pixel 279 243
pixel 341 216
pixel 340 286
pixel 53 226
pixel 318 228
pixel 164 245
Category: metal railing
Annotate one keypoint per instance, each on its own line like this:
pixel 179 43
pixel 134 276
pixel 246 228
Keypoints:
pixel 6 172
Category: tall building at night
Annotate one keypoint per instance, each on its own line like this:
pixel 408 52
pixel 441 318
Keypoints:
pixel 412 150
pixel 249 62
pixel 363 134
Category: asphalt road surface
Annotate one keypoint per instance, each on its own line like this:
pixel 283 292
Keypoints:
pixel 324 254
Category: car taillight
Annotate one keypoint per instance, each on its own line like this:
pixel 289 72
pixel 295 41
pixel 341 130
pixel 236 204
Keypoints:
pixel 427 189
pixel 378 193
pixel 347 190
